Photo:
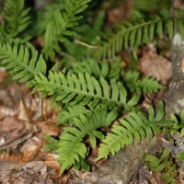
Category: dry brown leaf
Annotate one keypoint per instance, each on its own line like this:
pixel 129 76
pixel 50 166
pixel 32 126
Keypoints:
pixel 51 161
pixel 8 166
pixel 11 158
pixel 31 148
pixel 3 73
pixel 11 126
pixel 156 179
pixel 48 128
pixel 151 64
pixel 6 99
pixel 14 141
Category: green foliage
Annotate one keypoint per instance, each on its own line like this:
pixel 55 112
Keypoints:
pixel 22 61
pixel 163 164
pixel 146 85
pixel 71 112
pixel 87 36
pixel 104 69
pixel 71 145
pixel 16 16
pixel 82 89
pixel 59 28
pixel 135 125
pixel 91 93
pixel 178 124
pixel 134 33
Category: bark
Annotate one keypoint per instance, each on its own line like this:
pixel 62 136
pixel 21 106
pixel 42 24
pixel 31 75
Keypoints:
pixel 126 163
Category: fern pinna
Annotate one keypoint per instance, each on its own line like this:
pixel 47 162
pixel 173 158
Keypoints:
pixel 135 125
pixel 76 151
pixel 163 164
pixel 17 19
pixel 59 28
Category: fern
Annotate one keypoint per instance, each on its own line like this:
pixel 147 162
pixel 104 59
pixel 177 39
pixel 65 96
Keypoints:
pixel 68 115
pixel 90 92
pixel 87 36
pixel 146 85
pixel 82 89
pixel 58 28
pixel 76 151
pixel 178 124
pixel 135 125
pixel 135 33
pixel 22 61
pixel 162 164
pixel 104 69
pixel 16 16
pixel 44 17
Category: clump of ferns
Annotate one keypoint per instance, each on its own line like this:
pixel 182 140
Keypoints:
pixel 91 99
pixel 168 162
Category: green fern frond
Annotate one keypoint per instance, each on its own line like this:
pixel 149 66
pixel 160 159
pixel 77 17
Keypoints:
pixel 96 69
pixel 68 115
pixel 178 124
pixel 60 26
pixel 87 34
pixel 135 33
pixel 16 16
pixel 145 85
pixel 71 149
pixel 22 61
pixel 164 164
pixel 44 17
pixel 135 125
pixel 148 85
pixel 82 89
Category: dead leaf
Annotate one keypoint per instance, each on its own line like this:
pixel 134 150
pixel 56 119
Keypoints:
pixel 48 128
pixel 51 161
pixel 11 158
pixel 3 73
pixel 14 141
pixel 11 126
pixel 31 148
pixel 153 65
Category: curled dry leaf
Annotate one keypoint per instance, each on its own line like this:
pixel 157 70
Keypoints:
pixel 10 126
pixel 48 128
pixel 11 158
pixel 2 74
pixel 14 141
pixel 153 65
pixel 158 67
pixel 31 148
pixel 6 99
pixel 51 161
pixel 182 65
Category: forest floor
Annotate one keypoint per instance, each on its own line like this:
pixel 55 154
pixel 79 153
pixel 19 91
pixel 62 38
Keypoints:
pixel 25 119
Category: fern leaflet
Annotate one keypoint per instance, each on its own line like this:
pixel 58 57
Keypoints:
pixel 164 164
pixel 146 85
pixel 178 123
pixel 23 61
pixel 84 125
pixel 135 33
pixel 82 89
pixel 58 28
pixel 16 16
pixel 68 115
pixel 135 125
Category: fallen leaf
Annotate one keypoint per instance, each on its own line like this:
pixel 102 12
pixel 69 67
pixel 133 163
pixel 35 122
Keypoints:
pixel 153 65
pixel 51 161
pixel 31 148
